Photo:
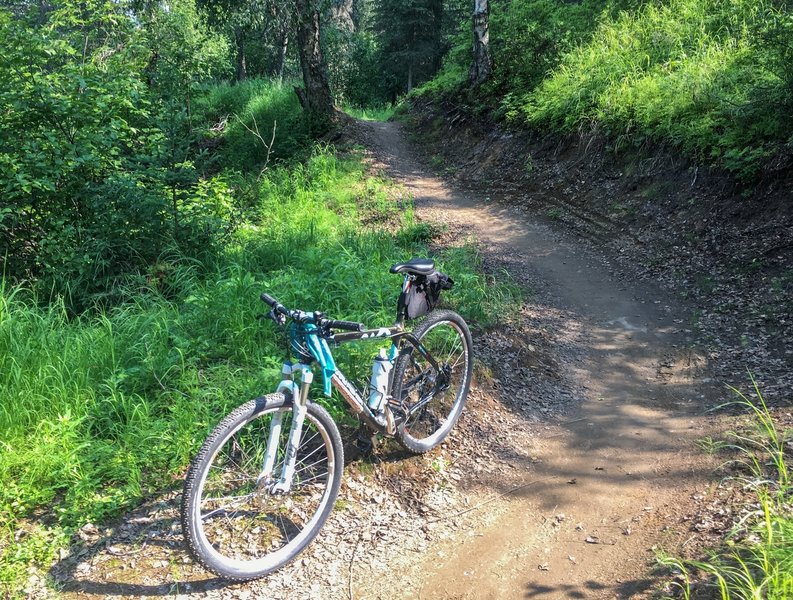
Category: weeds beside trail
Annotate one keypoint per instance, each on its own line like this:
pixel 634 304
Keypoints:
pixel 103 409
pixel 756 560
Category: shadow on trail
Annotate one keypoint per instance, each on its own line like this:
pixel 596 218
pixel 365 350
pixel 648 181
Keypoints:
pixel 588 589
pixel 125 545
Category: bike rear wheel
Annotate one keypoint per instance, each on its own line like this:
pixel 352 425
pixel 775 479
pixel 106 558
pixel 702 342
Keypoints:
pixel 233 524
pixel 427 399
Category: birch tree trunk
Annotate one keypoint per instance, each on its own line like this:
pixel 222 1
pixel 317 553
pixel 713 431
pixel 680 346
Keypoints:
pixel 242 67
pixel 315 97
pixel 283 47
pixel 482 64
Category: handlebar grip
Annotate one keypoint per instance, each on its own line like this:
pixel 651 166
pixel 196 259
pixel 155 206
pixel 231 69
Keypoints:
pixel 268 299
pixel 346 325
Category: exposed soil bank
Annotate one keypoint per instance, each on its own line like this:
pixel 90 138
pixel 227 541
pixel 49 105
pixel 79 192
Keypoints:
pixel 725 248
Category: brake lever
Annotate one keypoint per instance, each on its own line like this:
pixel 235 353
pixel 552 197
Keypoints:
pixel 277 318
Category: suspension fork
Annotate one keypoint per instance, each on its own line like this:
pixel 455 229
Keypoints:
pixel 299 394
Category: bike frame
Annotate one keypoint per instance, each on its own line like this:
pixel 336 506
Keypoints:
pixel 319 350
pixel 298 391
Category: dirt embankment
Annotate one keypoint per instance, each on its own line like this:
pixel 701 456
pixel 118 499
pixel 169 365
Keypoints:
pixel 724 247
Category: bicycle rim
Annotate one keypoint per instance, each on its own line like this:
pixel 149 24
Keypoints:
pixel 431 398
pixel 242 529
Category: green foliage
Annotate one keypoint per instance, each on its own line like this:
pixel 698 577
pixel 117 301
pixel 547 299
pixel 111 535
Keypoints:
pixel 243 108
pixel 96 165
pixel 685 72
pixel 371 113
pixel 449 79
pixel 184 51
pixel 757 560
pixel 410 37
pixel 714 78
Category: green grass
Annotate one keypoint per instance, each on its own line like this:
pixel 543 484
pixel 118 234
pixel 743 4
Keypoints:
pixel 103 409
pixel 236 113
pixel 756 561
pixel 713 78
pixel 371 113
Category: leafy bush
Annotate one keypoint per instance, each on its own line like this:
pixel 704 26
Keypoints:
pixel 96 167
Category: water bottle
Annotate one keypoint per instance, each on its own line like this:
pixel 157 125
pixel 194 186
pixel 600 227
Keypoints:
pixel 378 385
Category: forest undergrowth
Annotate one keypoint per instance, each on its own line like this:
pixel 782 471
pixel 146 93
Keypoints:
pixel 712 78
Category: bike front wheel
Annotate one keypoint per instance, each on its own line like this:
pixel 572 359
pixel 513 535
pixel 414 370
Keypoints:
pixel 233 522
pixel 429 399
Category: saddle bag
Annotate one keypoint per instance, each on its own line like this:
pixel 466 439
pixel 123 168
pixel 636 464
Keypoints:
pixel 425 293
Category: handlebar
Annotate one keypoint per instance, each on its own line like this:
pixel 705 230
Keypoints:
pixel 307 317
pixel 345 325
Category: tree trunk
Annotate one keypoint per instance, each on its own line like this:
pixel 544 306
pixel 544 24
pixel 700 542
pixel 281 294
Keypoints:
pixel 283 47
pixel 410 77
pixel 482 64
pixel 315 97
pixel 242 69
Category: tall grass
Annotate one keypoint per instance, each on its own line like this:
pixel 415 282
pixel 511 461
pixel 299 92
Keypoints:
pixel 100 410
pixel 757 559
pixel 711 77
pixel 235 113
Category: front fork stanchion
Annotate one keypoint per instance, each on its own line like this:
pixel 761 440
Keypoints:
pixel 272 449
pixel 296 431
pixel 273 438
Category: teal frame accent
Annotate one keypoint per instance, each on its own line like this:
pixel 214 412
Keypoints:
pixel 321 352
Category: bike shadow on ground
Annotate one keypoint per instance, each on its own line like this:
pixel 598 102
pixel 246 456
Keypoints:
pixel 141 555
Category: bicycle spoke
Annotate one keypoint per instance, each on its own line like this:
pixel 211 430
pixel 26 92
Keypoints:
pixel 243 522
pixel 300 470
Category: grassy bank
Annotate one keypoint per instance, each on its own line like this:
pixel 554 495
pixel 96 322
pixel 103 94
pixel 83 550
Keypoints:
pixel 712 78
pixel 103 409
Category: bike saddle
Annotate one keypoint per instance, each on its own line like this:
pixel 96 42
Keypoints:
pixel 415 266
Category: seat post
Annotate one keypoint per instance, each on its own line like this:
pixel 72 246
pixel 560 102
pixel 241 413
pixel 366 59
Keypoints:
pixel 402 302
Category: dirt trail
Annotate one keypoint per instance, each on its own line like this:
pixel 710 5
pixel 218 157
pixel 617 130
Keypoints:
pixel 607 481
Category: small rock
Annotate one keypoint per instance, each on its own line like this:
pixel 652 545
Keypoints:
pixel 88 532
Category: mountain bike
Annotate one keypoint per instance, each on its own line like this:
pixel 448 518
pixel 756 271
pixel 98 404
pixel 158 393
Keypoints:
pixel 267 477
